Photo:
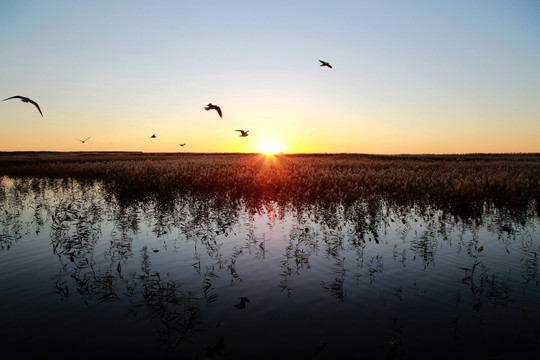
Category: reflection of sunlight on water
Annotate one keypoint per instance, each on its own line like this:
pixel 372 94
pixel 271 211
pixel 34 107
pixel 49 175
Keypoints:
pixel 368 274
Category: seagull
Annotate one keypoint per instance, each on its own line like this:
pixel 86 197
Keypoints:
pixel 83 141
pixel 182 144
pixel 324 63
pixel 26 100
pixel 244 133
pixel 242 303
pixel 153 136
pixel 213 107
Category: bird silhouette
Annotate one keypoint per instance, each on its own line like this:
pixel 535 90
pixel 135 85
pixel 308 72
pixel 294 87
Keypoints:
pixel 244 133
pixel 26 100
pixel 83 141
pixel 324 63
pixel 242 304
pixel 182 144
pixel 153 136
pixel 214 107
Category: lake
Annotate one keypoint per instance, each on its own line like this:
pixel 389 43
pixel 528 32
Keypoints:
pixel 86 274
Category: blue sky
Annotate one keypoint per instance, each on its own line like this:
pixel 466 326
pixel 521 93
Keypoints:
pixel 407 77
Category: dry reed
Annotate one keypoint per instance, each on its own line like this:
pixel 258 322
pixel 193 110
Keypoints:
pixel 458 181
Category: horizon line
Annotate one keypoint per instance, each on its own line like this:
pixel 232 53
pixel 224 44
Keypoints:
pixel 256 153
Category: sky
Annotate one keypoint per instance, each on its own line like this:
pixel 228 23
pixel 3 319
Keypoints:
pixel 407 77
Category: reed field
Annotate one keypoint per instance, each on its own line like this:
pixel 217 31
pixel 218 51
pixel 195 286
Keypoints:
pixel 454 182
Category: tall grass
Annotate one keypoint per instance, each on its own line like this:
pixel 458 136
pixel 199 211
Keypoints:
pixel 460 182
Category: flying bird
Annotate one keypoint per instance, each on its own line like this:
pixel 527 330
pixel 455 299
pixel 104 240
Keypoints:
pixel 182 144
pixel 153 136
pixel 214 107
pixel 324 63
pixel 242 304
pixel 26 100
pixel 83 141
pixel 244 133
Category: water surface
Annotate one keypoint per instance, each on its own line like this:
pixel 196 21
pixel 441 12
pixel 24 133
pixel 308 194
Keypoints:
pixel 84 274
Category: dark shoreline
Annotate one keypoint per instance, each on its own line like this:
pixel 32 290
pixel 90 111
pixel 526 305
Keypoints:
pixel 10 158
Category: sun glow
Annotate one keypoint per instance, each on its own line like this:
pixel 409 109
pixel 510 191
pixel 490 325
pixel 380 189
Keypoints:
pixel 269 148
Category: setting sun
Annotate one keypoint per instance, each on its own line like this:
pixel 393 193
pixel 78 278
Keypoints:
pixel 269 148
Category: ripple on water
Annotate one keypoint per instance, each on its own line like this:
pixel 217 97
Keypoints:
pixel 308 284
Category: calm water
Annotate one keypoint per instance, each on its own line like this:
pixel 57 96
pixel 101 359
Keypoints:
pixel 83 275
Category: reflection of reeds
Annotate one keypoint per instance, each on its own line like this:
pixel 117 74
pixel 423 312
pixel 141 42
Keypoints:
pixel 485 284
pixel 209 275
pixel 61 287
pixel 425 247
pixel 530 260
pixel 375 265
pixel 11 229
pixel 336 286
pixel 176 310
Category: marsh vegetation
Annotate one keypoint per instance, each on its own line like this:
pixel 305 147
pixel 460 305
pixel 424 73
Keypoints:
pixel 153 254
pixel 459 182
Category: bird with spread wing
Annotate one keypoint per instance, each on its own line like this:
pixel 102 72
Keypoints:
pixel 324 63
pixel 214 107
pixel 244 133
pixel 83 141
pixel 25 100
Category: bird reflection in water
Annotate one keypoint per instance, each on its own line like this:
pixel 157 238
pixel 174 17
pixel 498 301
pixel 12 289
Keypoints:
pixel 242 304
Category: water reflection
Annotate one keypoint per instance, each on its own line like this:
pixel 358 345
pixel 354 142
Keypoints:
pixel 185 263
